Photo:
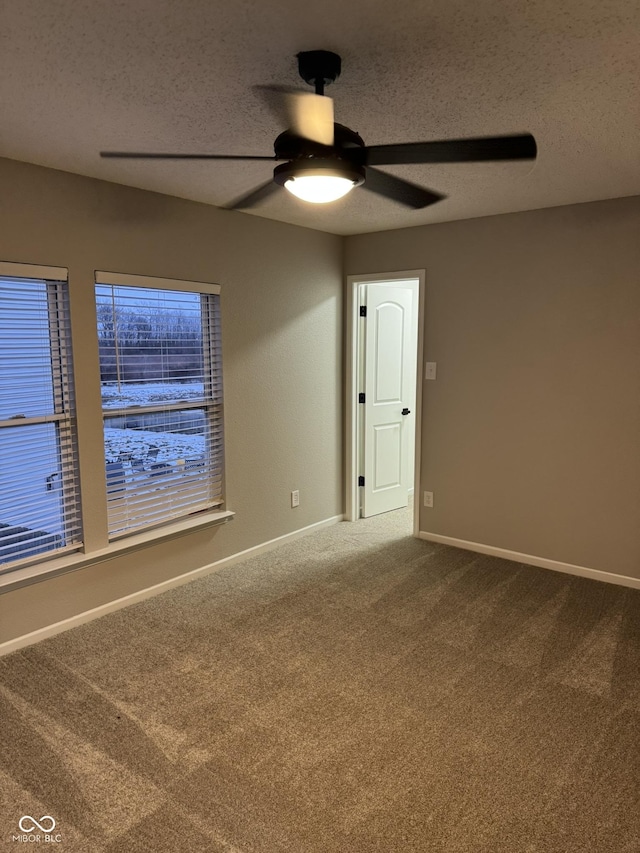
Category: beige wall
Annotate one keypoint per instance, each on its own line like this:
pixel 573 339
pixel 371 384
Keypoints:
pixel 282 351
pixel 531 432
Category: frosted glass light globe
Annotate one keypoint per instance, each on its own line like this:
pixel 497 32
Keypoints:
pixel 319 189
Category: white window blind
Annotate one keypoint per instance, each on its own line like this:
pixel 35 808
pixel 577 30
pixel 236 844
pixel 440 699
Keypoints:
pixel 39 506
pixel 161 381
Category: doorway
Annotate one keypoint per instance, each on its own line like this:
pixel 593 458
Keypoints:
pixel 384 351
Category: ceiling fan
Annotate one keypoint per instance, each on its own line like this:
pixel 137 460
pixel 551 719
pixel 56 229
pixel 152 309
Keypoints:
pixel 323 160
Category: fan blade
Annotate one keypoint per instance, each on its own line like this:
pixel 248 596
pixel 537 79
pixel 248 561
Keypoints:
pixel 313 117
pixel 139 155
pixel 397 189
pixel 520 147
pixel 254 197
pixel 306 114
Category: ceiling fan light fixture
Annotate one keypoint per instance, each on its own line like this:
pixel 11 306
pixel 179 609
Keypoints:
pixel 317 181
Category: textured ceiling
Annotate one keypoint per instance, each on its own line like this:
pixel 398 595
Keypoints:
pixel 78 76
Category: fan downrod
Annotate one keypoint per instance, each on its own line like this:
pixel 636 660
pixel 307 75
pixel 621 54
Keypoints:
pixel 319 68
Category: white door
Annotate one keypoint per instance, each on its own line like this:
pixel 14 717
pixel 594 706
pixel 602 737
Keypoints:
pixel 387 432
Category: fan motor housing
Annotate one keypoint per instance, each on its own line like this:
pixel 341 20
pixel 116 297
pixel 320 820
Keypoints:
pixel 290 146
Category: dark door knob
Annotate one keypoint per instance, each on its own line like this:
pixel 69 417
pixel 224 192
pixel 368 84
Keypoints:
pixel 406 412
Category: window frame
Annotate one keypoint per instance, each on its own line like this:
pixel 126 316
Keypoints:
pixel 213 409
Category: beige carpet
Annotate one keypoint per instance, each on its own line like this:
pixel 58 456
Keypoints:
pixel 356 690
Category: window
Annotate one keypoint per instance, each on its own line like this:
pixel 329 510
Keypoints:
pixel 161 442
pixel 39 507
pixel 161 382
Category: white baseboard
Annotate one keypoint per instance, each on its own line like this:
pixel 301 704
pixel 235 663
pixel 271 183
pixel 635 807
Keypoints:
pixel 530 560
pixel 102 610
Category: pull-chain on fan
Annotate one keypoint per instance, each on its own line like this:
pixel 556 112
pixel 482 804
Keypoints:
pixel 323 160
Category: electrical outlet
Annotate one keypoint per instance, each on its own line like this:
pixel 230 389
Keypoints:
pixel 428 498
pixel 295 498
pixel 430 370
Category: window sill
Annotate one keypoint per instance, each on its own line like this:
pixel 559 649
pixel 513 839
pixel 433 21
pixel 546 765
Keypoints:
pixel 81 560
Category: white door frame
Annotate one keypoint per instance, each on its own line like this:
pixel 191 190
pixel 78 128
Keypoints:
pixel 352 437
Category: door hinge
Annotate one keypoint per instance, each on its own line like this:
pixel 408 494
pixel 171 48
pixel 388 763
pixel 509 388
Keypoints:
pixel 363 310
pixel 361 481
pixel 361 397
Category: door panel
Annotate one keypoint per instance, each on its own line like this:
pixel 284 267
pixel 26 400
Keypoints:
pixel 387 456
pixel 389 319
pixel 387 382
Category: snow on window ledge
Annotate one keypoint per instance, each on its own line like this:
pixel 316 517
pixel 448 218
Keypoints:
pixel 72 562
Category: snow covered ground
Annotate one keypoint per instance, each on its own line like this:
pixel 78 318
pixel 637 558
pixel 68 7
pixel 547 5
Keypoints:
pixel 140 444
pixel 148 393
pixel 134 444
